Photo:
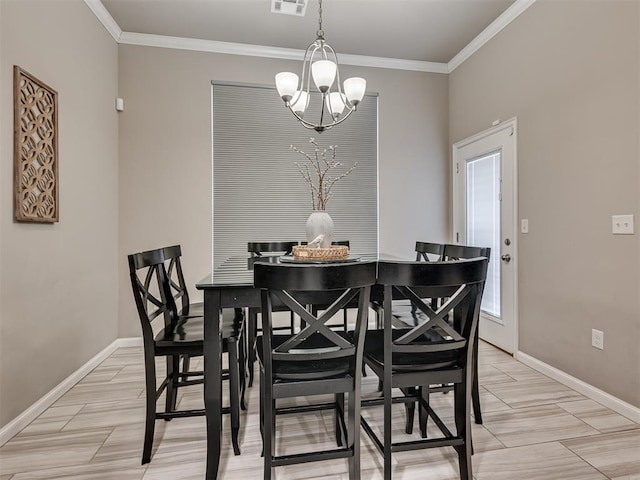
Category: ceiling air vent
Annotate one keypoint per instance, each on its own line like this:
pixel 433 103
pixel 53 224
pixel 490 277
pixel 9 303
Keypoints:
pixel 289 7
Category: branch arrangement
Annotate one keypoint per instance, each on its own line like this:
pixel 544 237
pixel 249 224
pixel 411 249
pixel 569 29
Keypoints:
pixel 316 172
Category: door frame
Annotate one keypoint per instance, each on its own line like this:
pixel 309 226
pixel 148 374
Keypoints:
pixel 512 123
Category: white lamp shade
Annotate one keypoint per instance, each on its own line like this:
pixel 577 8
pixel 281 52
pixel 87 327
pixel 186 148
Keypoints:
pixel 354 89
pixel 301 100
pixel 336 102
pixel 286 83
pixel 324 72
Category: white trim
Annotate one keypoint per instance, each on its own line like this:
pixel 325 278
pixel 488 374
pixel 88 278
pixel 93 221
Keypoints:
pixel 105 18
pixel 212 46
pixel 512 123
pixel 589 391
pixel 508 16
pixel 30 414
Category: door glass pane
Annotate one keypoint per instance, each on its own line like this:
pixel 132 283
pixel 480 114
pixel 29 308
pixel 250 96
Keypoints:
pixel 483 221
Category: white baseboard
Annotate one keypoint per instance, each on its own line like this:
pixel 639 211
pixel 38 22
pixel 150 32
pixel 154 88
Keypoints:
pixel 30 414
pixel 589 391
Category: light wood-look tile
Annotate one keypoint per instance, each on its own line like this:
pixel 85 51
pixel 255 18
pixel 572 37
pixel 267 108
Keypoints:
pixel 526 426
pixel 546 461
pixel 534 429
pixel 36 452
pixel 599 417
pixel 529 393
pixel 617 455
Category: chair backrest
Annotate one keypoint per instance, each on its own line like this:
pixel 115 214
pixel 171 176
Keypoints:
pixel 297 285
pixel 424 249
pixel 458 283
pixel 151 291
pixel 459 252
pixel 175 277
pixel 256 249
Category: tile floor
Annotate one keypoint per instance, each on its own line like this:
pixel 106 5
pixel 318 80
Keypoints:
pixel 534 429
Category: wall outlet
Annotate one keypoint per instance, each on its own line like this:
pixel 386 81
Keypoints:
pixel 524 225
pixel 597 339
pixel 622 225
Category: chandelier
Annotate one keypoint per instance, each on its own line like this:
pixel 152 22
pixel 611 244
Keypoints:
pixel 321 63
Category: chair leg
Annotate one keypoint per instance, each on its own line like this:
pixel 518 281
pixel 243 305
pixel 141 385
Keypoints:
pixel 292 323
pixel 234 393
pixel 269 435
pixel 150 416
pixel 353 433
pixel 475 388
pixel 410 410
pixel 186 362
pixel 243 368
pixel 463 427
pixel 251 341
pixel 173 370
pixel 386 387
pixel 338 418
pixel 261 416
pixel 423 415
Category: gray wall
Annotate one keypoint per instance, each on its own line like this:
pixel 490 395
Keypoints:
pixel 570 72
pixel 165 154
pixel 58 282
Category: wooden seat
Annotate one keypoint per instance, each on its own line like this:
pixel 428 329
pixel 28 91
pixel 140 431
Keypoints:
pixel 180 336
pixel 316 360
pixel 434 352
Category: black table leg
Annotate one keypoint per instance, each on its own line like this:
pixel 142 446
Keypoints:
pixel 213 380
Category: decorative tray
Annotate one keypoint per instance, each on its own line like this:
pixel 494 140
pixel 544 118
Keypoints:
pixel 333 252
pixel 292 259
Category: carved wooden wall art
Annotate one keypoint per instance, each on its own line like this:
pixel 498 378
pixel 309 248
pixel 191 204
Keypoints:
pixel 35 147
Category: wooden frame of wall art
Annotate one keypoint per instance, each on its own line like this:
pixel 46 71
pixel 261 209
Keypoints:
pixel 35 149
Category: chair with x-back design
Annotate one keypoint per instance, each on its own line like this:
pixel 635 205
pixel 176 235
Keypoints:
pixel 180 337
pixel 436 351
pixel 316 360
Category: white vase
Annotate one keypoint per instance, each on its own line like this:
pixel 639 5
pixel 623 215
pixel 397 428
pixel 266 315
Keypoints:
pixel 320 223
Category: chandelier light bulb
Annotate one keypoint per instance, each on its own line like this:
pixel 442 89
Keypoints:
pixel 300 102
pixel 324 73
pixel 354 89
pixel 286 83
pixel 335 103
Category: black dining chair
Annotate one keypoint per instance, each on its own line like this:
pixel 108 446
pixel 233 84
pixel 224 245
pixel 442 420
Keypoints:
pixel 257 250
pixel 429 252
pixel 460 252
pixel 179 337
pixel 433 352
pixel 195 311
pixel 316 360
pixel 412 316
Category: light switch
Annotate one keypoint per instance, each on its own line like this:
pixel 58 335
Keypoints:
pixel 524 225
pixel 622 224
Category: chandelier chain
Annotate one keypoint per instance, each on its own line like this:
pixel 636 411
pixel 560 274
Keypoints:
pixel 320 31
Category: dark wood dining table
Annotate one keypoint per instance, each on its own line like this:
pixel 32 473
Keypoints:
pixel 229 286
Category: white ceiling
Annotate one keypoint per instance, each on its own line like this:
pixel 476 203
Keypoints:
pixel 415 30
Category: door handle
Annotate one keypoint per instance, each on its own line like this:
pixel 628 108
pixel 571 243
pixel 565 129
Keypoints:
pixel 506 257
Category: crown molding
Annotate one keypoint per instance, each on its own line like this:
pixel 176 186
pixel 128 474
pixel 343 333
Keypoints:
pixel 212 46
pixel 105 18
pixel 508 16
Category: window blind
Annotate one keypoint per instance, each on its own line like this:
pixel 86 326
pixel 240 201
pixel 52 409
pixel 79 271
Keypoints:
pixel 258 192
